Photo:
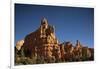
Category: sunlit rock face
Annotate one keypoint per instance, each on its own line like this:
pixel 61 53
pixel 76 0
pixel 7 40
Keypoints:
pixel 42 42
pixel 19 44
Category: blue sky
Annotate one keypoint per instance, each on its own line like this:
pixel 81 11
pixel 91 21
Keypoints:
pixel 71 23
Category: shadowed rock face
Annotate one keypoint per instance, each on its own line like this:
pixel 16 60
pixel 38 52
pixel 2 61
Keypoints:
pixel 42 46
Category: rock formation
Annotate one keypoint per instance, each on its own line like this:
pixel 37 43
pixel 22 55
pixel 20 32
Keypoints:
pixel 42 46
pixel 42 43
pixel 19 44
